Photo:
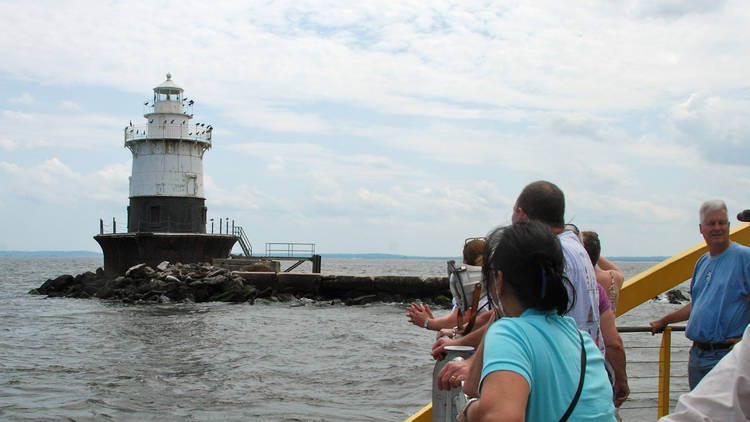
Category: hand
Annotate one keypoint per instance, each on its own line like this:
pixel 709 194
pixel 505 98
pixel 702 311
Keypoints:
pixel 657 326
pixel 418 314
pixel 445 332
pixel 622 391
pixel 452 374
pixel 438 349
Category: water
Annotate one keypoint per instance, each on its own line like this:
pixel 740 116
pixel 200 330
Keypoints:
pixel 92 360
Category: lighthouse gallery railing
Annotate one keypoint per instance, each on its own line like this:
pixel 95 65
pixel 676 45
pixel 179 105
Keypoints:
pixel 196 133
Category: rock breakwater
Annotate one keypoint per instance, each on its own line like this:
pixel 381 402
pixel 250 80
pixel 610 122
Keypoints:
pixel 207 283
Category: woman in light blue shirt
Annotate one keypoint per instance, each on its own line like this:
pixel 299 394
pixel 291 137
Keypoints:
pixel 536 365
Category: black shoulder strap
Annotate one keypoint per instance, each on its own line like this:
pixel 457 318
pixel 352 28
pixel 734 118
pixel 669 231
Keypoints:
pixel 580 382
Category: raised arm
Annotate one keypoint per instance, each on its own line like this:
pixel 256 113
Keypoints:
pixel 418 314
pixel 607 265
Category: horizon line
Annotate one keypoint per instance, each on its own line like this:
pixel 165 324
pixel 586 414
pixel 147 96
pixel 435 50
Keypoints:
pixel 371 255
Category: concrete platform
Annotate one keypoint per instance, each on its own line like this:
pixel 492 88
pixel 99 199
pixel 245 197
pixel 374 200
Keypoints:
pixel 124 250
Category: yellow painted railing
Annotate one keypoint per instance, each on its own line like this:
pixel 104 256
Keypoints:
pixel 640 288
pixel 665 360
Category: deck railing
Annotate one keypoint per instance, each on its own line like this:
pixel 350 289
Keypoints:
pixel 656 369
pixel 290 249
pixel 299 252
pixel 196 133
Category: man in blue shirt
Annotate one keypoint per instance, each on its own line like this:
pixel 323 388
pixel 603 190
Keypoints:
pixel 719 309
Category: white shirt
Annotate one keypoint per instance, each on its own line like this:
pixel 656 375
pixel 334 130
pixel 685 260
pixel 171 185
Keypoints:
pixel 581 274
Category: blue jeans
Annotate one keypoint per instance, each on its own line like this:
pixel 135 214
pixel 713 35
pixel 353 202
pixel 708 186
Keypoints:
pixel 701 362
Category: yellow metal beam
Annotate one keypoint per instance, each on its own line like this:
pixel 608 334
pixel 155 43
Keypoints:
pixel 669 273
pixel 424 415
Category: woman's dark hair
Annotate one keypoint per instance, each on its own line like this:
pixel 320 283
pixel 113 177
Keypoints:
pixel 531 259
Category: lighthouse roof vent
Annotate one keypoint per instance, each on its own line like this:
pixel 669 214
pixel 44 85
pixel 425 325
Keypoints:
pixel 168 85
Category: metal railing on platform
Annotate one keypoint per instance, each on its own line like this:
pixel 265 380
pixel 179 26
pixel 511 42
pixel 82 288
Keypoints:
pixel 191 132
pixel 113 228
pixel 299 252
pixel 290 249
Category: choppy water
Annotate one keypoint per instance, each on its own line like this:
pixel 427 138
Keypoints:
pixel 92 360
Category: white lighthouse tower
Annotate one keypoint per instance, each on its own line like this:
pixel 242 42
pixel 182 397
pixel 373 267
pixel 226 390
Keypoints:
pixel 167 210
pixel 166 183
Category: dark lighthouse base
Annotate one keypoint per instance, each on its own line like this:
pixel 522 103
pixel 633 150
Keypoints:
pixel 124 250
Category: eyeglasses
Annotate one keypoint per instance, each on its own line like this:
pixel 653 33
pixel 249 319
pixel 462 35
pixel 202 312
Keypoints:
pixel 471 239
pixel 573 228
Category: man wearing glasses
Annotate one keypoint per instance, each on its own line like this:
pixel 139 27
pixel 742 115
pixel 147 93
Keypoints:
pixel 719 309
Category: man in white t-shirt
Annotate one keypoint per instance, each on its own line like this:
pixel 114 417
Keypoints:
pixel 544 202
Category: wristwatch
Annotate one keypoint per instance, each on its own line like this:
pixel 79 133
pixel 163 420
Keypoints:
pixel 426 321
pixel 466 408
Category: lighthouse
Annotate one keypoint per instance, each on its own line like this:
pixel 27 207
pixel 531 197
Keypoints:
pixel 167 208
pixel 166 183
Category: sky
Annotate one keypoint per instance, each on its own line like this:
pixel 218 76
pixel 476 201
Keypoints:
pixel 398 127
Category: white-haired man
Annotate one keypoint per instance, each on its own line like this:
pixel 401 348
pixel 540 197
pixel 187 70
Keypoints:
pixel 719 310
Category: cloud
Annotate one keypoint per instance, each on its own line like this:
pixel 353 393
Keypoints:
pixel 581 126
pixel 673 9
pixel 69 105
pixel 619 207
pixel 459 62
pixel 407 119
pixel 716 126
pixel 24 98
pixel 8 144
pixel 302 161
pixel 82 130
pixel 52 183
pixel 277 118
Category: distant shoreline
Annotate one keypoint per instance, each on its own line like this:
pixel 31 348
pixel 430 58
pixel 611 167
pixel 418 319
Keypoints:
pixel 52 254
pixel 458 258
pixel 89 254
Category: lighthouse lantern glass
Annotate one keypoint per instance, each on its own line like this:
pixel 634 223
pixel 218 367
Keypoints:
pixel 167 96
